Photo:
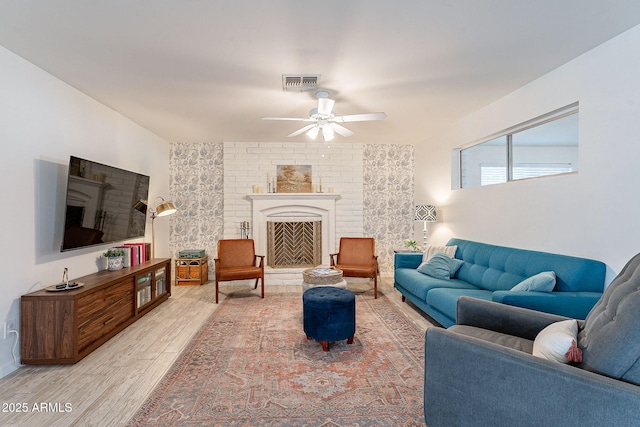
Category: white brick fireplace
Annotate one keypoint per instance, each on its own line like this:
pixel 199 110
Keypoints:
pixel 293 207
pixel 249 164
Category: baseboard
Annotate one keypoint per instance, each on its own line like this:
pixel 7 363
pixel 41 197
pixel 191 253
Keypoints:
pixel 7 368
pixel 293 276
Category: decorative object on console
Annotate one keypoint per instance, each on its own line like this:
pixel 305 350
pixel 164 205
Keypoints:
pixel 115 259
pixel 425 213
pixel 163 208
pixel 65 285
pixel 135 253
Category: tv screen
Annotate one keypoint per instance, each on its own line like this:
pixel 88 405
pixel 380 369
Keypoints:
pixel 99 204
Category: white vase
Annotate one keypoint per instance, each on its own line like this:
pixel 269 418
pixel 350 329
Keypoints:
pixel 115 263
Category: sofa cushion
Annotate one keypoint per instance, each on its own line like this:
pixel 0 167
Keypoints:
pixel 440 266
pixel 432 250
pixel 485 267
pixel 419 284
pixel 610 337
pixel 541 282
pixel 446 300
pixel 505 340
pixel 554 342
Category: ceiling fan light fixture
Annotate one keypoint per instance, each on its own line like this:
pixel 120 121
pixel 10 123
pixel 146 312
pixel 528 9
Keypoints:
pixel 313 132
pixel 327 132
pixel 325 107
pixel 326 119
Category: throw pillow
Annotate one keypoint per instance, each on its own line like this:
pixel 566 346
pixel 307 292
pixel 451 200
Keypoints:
pixel 557 342
pixel 440 266
pixel 432 250
pixel 542 282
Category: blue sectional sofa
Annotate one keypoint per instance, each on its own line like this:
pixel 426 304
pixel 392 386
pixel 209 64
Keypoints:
pixel 489 272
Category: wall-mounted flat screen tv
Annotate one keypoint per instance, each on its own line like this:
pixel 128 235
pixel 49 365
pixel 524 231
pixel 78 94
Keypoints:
pixel 99 204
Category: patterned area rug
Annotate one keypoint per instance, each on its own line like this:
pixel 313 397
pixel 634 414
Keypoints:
pixel 252 365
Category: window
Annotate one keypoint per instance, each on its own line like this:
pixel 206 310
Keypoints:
pixel 484 163
pixel 547 145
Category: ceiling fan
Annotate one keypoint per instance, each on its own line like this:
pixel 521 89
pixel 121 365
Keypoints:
pixel 323 119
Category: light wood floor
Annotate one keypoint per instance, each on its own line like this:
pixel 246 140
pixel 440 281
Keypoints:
pixel 107 387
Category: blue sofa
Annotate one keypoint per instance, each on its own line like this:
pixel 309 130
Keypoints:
pixel 489 272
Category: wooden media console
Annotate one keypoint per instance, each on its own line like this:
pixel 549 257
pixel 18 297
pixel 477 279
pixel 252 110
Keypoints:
pixel 63 327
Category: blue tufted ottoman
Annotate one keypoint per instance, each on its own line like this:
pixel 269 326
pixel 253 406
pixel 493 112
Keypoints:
pixel 329 314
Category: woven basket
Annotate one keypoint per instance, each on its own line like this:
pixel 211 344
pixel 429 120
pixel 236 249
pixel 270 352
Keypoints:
pixel 322 276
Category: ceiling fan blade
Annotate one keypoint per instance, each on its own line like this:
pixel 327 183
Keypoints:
pixel 301 131
pixel 341 130
pixel 293 119
pixel 359 117
pixel 325 106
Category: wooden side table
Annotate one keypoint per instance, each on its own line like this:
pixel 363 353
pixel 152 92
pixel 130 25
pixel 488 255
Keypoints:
pixel 192 271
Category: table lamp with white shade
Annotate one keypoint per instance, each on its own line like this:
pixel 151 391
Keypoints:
pixel 425 213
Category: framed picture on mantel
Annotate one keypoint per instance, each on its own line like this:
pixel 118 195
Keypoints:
pixel 294 179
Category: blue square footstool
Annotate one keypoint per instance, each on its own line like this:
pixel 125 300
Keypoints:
pixel 329 314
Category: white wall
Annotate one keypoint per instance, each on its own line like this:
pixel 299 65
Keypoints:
pixel 593 213
pixel 42 122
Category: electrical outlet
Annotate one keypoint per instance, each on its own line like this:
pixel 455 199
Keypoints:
pixel 8 327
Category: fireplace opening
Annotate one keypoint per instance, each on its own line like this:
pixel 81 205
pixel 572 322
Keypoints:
pixel 294 244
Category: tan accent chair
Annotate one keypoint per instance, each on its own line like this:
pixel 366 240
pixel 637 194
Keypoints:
pixel 237 261
pixel 357 258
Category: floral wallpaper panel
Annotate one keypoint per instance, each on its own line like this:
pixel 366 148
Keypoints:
pixel 388 199
pixel 196 187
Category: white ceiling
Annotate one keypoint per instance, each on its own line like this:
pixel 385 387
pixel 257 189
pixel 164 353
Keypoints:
pixel 207 71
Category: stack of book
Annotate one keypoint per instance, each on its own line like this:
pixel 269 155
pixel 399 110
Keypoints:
pixel 135 253
pixel 144 290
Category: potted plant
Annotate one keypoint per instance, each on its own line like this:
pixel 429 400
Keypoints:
pixel 412 245
pixel 115 259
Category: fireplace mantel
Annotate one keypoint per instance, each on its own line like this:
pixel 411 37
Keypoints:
pixel 268 206
pixel 294 196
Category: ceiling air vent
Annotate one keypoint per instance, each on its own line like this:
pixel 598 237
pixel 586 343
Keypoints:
pixel 300 82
